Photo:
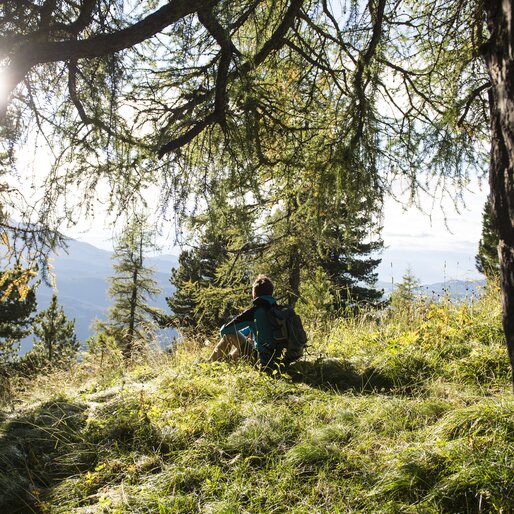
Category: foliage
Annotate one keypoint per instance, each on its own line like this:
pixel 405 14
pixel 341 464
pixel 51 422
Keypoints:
pixel 349 255
pixel 17 306
pixel 212 281
pixel 55 341
pixel 487 258
pixel 405 293
pixel 366 86
pixel 131 318
pixel 103 346
pixel 316 297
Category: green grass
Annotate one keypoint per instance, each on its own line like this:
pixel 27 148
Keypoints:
pixel 392 414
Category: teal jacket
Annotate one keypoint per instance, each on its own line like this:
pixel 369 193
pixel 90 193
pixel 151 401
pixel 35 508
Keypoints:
pixel 255 320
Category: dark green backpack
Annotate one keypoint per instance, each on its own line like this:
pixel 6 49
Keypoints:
pixel 288 331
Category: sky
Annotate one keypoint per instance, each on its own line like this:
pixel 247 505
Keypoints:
pixel 438 244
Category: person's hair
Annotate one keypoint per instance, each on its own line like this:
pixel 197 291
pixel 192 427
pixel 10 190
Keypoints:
pixel 262 286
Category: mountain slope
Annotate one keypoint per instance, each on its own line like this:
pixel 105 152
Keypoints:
pixel 81 282
pixel 409 415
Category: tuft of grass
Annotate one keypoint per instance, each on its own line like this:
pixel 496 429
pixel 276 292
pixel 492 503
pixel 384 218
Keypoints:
pixel 262 434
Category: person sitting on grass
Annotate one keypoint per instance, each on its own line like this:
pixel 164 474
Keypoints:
pixel 250 334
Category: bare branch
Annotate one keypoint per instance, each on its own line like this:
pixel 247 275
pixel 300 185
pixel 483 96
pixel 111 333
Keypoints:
pixel 476 92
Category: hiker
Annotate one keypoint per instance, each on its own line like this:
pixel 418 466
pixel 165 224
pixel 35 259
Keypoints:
pixel 251 334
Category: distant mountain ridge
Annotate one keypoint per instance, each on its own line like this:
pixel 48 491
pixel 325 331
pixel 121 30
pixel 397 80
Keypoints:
pixel 454 289
pixel 81 277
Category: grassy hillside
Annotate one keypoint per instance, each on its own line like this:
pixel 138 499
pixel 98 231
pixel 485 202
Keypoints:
pixel 410 412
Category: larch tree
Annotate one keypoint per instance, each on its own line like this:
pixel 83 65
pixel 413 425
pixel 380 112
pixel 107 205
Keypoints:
pixel 498 52
pixel 418 89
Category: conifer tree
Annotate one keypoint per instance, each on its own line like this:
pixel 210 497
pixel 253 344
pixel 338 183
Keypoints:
pixel 131 318
pixel 212 281
pixel 183 279
pixel 17 306
pixel 486 260
pixel 56 341
pixel 340 244
pixel 196 271
pixel 406 291
pixel 316 226
pixel 350 255
pixel 316 298
pixel 287 250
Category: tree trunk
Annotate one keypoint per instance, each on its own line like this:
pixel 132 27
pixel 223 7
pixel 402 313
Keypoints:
pixel 132 316
pixel 294 275
pixel 499 57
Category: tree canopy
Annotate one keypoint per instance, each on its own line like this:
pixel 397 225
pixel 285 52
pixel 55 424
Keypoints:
pixel 380 87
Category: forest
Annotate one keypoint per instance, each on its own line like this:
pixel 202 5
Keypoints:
pixel 266 135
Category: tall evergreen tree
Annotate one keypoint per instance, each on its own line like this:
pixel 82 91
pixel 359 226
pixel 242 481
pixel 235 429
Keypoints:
pixel 196 271
pixel 55 339
pixel 131 318
pixel 350 256
pixel 486 260
pixel 314 225
pixel 212 281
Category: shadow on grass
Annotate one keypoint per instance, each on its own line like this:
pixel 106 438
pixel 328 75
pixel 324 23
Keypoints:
pixel 38 449
pixel 339 376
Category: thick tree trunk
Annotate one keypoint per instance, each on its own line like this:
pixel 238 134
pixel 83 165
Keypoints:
pixel 499 56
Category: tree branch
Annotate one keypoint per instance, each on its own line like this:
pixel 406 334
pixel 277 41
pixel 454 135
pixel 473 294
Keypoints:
pixel 209 21
pixel 277 38
pixel 35 52
pixel 72 88
pixel 83 19
pixel 275 42
pixel 476 92
pixel 188 136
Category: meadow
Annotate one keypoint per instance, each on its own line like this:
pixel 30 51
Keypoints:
pixel 407 411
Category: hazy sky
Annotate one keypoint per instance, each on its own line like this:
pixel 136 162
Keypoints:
pixel 438 244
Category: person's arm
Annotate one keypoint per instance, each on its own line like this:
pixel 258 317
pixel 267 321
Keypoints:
pixel 244 320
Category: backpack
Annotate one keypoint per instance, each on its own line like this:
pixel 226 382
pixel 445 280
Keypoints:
pixel 288 331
